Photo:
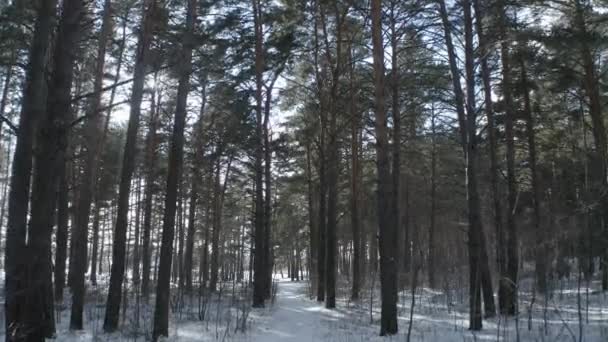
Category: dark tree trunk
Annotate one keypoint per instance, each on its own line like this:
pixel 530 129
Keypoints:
pixel 333 160
pixel 540 250
pixel 472 159
pixel 479 271
pixel 432 228
pixel 136 239
pixel 52 143
pixel 176 156
pixel 312 263
pixel 591 86
pixel 267 193
pixel 33 108
pixel 396 113
pixel 268 183
pixel 188 256
pixel 508 283
pixel 387 230
pixel 61 239
pixel 150 169
pixel 354 200
pixel 475 239
pixel 332 215
pixel 322 233
pixel 95 243
pixel 179 257
pixel 490 310
pixel 93 144
pixel 260 273
pixel 215 236
pixel 194 194
pixel 128 166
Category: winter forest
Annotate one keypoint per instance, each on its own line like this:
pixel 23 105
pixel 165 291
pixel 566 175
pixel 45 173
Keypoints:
pixel 304 170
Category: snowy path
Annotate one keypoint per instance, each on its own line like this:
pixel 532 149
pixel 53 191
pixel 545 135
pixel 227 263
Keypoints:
pixel 294 317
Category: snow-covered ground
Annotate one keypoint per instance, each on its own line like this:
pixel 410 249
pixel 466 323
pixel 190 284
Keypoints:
pixel 293 316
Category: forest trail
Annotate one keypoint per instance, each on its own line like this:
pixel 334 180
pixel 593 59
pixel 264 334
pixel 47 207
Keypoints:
pixel 294 317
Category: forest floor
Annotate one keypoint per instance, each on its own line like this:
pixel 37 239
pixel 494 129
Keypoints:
pixel 294 316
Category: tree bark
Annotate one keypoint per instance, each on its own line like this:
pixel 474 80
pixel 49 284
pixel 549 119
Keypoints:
pixel 33 107
pixel 312 263
pixel 333 159
pixel 592 90
pixel 52 143
pixel 215 236
pixel 260 262
pixel 194 193
pixel 432 228
pixel 128 166
pixel 388 232
pixel 61 238
pixel 354 200
pixel 176 156
pixel 150 169
pixel 396 113
pixel 475 234
pixel 490 310
pixel 508 283
pixel 95 243
pixel 136 238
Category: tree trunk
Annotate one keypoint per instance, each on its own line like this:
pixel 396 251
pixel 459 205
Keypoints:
pixel 194 193
pixel 33 107
pixel 333 160
pixel 485 74
pixel 205 256
pixel 508 283
pixel 396 113
pixel 592 90
pixel 52 144
pixel 268 182
pixel 388 232
pixel 61 238
pixel 313 247
pixel 432 228
pixel 475 225
pixel 176 156
pixel 150 169
pixel 128 166
pixel 95 244
pixel 215 236
pixel 354 200
pixel 136 240
pixel 540 250
pixel 260 262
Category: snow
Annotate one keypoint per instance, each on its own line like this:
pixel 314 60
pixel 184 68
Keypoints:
pixel 293 316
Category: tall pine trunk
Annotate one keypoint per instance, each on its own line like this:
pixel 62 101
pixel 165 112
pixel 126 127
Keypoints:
pixel 52 142
pixel 475 239
pixel 508 277
pixel 485 75
pixel 194 194
pixel 176 156
pixel 260 260
pixel 32 109
pixel 128 166
pixel 479 270
pixel 150 169
pixel 387 230
pixel 591 85
pixel 540 250
pixel 354 197
pixel 95 243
